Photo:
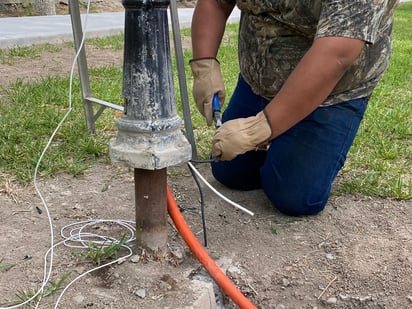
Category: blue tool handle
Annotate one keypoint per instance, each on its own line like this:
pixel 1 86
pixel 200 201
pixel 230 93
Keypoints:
pixel 216 111
pixel 215 103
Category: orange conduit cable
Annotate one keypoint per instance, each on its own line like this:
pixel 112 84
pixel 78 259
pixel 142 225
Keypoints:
pixel 221 279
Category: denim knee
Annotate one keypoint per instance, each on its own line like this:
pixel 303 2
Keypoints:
pixel 299 203
pixel 292 192
pixel 303 162
pixel 241 173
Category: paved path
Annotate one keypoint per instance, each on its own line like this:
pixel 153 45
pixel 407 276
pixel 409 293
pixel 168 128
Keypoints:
pixel 25 31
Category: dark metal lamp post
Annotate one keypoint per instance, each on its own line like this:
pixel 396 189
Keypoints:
pixel 149 135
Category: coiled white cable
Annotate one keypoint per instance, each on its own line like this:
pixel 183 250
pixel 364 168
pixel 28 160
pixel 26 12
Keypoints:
pixel 80 235
pixel 77 237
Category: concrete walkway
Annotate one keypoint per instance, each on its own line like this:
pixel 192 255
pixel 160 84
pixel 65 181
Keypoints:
pixel 26 31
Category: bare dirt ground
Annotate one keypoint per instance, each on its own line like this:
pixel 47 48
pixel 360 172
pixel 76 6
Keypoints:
pixel 355 254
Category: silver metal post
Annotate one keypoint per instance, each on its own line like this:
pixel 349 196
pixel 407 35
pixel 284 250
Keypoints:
pixel 181 74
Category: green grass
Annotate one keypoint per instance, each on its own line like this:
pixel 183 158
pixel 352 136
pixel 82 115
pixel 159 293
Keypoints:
pixel 24 295
pixel 113 42
pixel 29 115
pixel 5 267
pixel 102 253
pixel 7 56
pixel 379 163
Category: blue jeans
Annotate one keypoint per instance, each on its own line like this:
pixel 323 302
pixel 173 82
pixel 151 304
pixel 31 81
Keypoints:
pixel 298 170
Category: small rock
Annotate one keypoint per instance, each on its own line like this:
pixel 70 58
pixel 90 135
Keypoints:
pixel 365 298
pixel 135 259
pixel 344 297
pixel 232 270
pixel 78 299
pixel 101 293
pixel 116 275
pixel 140 293
pixel 285 282
pixel 280 306
pixel 409 298
pixel 121 261
pixel 178 253
pixel 80 269
pixel 330 256
pixel 66 193
pixel 332 300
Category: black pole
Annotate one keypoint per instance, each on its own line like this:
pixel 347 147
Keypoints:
pixel 149 137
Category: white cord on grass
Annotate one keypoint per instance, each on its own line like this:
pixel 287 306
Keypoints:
pixel 77 235
pixel 47 271
pixel 47 274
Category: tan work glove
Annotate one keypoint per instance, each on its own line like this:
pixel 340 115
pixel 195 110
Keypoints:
pixel 207 80
pixel 241 135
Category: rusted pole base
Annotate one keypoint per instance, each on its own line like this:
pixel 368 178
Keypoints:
pixel 151 209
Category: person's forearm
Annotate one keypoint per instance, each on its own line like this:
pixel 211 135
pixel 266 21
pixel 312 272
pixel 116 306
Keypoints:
pixel 208 26
pixel 312 81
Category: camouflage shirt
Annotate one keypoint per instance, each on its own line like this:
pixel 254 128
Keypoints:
pixel 275 34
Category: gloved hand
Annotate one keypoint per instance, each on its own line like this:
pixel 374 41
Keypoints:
pixel 207 80
pixel 241 135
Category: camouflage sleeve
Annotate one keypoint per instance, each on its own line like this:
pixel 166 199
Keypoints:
pixel 358 19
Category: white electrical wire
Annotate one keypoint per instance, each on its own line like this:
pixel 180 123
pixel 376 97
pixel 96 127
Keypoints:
pixel 77 234
pixel 217 192
pixel 82 239
pixel 77 237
